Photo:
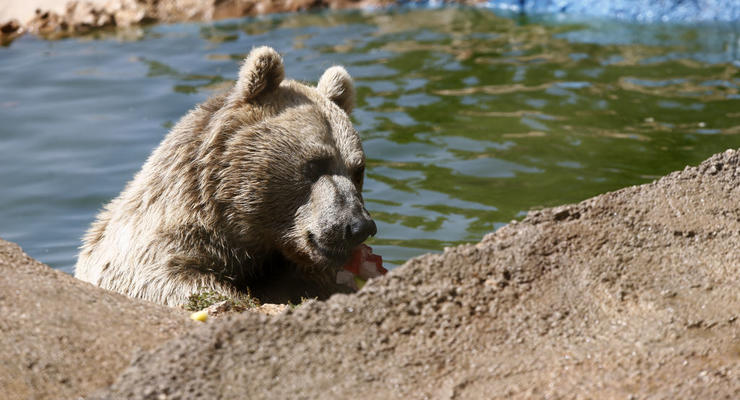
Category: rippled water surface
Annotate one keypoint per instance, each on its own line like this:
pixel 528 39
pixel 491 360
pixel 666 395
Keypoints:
pixel 469 119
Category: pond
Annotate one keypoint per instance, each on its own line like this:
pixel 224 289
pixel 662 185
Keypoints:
pixel 469 118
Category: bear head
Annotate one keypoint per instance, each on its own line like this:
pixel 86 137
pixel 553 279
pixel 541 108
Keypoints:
pixel 289 163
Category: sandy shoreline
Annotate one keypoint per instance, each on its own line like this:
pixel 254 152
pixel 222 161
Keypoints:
pixel 61 18
pixel 24 11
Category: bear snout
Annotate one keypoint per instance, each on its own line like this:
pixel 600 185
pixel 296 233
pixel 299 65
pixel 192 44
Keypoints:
pixel 340 219
pixel 349 231
pixel 360 229
pixel 337 237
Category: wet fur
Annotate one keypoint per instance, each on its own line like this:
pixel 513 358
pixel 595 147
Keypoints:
pixel 223 204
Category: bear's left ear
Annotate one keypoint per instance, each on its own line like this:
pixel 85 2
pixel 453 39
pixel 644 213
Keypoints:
pixel 337 85
pixel 262 71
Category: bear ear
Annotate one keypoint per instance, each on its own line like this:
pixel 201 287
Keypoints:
pixel 261 71
pixel 337 85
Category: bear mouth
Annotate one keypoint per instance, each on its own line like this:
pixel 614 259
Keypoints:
pixel 336 255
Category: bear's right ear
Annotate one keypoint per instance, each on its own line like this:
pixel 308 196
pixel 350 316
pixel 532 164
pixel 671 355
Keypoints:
pixel 262 71
pixel 337 85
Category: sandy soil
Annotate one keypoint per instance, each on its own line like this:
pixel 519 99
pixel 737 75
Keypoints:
pixel 61 337
pixel 631 294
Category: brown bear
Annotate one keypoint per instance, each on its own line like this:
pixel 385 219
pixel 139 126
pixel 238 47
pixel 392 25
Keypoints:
pixel 256 190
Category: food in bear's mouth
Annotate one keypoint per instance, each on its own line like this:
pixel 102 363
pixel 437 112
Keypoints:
pixel 362 265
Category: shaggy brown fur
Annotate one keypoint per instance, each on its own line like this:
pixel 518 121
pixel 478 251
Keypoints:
pixel 256 189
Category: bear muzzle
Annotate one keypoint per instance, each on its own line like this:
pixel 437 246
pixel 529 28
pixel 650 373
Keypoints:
pixel 360 229
pixel 339 237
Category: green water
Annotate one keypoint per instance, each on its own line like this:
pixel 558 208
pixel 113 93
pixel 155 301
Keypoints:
pixel 469 119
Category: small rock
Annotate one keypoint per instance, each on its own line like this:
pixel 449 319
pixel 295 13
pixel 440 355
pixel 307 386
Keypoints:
pixel 218 308
pixel 561 214
pixel 9 31
pixel 9 27
pixel 45 23
pixel 104 19
pixel 129 16
pixel 81 13
pixel 270 309
pixel 693 324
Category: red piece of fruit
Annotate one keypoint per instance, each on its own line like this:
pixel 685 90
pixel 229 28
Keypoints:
pixel 364 263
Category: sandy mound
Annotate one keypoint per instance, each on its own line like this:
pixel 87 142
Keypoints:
pixel 634 292
pixel 62 338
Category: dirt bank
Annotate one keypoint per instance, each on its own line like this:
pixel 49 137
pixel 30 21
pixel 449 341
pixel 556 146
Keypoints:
pixel 60 18
pixel 62 338
pixel 630 294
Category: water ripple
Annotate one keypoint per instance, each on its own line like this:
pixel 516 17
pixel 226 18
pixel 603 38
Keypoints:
pixel 469 119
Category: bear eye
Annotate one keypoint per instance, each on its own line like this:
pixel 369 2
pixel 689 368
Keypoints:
pixel 317 168
pixel 357 175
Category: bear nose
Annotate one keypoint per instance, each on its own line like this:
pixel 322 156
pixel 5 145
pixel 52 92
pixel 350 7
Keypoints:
pixel 360 229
